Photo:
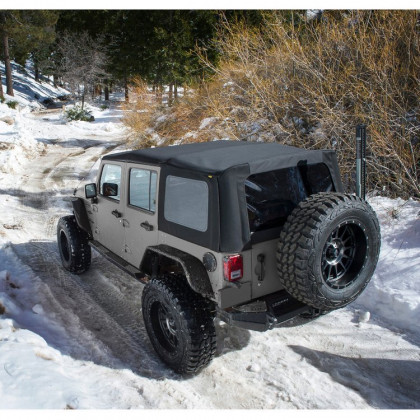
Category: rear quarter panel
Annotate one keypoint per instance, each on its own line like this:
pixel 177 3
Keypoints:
pixel 226 294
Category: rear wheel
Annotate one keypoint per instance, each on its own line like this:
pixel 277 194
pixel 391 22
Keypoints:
pixel 179 323
pixel 328 250
pixel 73 245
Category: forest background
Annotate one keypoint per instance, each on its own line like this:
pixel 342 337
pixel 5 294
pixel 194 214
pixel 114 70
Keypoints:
pixel 303 78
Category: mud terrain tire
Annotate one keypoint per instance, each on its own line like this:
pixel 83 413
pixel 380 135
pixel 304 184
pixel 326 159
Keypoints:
pixel 180 324
pixel 73 245
pixel 328 250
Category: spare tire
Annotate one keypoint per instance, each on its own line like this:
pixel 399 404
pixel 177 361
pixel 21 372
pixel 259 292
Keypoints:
pixel 328 250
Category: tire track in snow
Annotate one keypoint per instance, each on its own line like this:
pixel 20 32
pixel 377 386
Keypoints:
pixel 112 317
pixel 106 303
pixel 48 177
pixel 99 305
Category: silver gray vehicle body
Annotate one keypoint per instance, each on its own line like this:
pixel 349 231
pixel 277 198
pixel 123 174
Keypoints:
pixel 137 232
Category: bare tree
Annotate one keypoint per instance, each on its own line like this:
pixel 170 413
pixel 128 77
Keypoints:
pixel 82 61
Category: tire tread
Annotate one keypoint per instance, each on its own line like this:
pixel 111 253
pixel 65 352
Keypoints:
pixel 198 315
pixel 79 248
pixel 294 250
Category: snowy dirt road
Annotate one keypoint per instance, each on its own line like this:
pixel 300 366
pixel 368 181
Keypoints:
pixel 80 342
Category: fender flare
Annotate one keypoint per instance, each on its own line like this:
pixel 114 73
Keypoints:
pixel 194 269
pixel 81 215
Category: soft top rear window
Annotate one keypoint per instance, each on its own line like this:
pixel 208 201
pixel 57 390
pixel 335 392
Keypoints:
pixel 272 196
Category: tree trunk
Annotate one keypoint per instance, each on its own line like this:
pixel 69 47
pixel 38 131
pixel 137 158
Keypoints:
pixel 158 94
pixel 106 90
pixel 55 78
pixel 36 70
pixel 83 96
pixel 126 90
pixel 176 91
pixel 170 94
pixel 1 89
pixel 8 67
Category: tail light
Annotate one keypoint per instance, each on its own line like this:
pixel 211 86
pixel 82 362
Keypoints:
pixel 233 267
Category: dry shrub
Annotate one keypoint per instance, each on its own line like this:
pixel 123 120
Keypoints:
pixel 310 84
pixel 153 123
pixel 139 112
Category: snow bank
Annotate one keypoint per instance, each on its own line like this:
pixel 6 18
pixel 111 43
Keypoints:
pixel 394 291
pixel 34 374
pixel 26 90
pixel 19 143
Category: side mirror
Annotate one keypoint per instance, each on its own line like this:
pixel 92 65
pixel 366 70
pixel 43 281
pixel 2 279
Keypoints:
pixel 109 189
pixel 90 191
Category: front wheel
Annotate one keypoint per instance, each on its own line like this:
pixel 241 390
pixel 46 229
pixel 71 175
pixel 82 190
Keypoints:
pixel 328 250
pixel 180 324
pixel 73 245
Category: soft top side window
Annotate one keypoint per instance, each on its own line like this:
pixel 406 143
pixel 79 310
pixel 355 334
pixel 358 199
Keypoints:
pixel 187 202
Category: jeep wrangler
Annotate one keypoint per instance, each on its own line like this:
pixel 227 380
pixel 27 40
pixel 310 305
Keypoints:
pixel 252 233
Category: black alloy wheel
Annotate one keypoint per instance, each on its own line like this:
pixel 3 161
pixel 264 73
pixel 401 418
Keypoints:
pixel 343 255
pixel 164 327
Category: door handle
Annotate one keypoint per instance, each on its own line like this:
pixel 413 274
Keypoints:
pixel 146 225
pixel 116 213
pixel 261 274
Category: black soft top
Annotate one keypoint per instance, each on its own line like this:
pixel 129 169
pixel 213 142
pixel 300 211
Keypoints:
pixel 217 156
pixel 224 165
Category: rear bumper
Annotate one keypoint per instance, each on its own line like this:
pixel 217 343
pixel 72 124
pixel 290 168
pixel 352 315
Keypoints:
pixel 280 307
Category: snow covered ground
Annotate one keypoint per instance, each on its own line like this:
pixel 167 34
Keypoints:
pixel 77 342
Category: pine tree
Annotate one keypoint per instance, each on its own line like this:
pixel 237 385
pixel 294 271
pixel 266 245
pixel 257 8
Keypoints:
pixel 24 32
pixel 157 45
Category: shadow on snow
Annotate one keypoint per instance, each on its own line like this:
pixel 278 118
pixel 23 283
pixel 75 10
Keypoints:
pixel 383 383
pixel 97 315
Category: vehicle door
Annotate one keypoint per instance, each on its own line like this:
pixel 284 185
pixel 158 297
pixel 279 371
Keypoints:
pixel 140 220
pixel 109 208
